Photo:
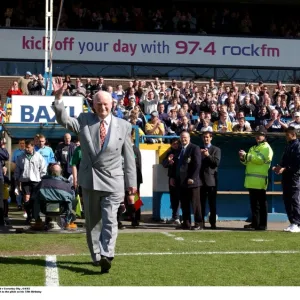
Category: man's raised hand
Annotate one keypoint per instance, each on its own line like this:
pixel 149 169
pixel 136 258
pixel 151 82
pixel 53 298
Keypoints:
pixel 58 87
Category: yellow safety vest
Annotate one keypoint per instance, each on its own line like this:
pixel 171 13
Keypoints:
pixel 257 162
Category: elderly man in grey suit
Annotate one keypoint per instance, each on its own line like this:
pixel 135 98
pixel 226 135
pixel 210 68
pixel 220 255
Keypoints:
pixel 104 140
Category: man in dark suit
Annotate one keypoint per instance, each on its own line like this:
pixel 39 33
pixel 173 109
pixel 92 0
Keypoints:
pixel 185 172
pixel 211 156
pixel 168 161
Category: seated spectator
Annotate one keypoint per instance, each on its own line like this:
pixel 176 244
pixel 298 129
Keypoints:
pixel 88 85
pixel 296 121
pixel 184 125
pixel 133 120
pixel 262 115
pixel 206 126
pixel 172 123
pixel 161 112
pixel 232 112
pixel 248 108
pixel 173 105
pixel 79 89
pixel 241 126
pixel 119 93
pixel 55 188
pixel 214 112
pixel 154 127
pixel 115 110
pixel 14 90
pixel 222 125
pixel 275 124
pixel 283 109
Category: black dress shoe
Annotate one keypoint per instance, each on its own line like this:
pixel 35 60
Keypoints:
pixel 249 226
pixel 261 228
pixel 213 226
pixel 105 264
pixel 135 223
pixel 180 227
pixel 197 228
pixel 96 263
pixel 121 226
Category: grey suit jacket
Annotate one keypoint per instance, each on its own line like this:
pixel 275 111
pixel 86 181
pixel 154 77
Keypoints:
pixel 101 169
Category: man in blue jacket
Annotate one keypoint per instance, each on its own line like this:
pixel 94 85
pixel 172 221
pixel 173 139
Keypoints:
pixel 290 169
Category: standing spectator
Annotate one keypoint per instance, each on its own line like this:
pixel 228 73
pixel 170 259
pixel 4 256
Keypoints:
pixel 290 169
pixel 44 150
pixel 14 90
pixel 30 168
pixel 64 153
pixel 4 156
pixel 186 173
pixel 150 99
pixel 23 83
pixel 135 214
pixel 170 158
pixel 257 162
pixel 15 156
pixel 211 157
pixel 36 85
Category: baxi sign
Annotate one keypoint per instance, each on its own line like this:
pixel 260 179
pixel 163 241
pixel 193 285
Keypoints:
pixel 37 109
pixel 151 48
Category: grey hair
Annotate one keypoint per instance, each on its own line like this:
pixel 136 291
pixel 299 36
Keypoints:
pixel 96 96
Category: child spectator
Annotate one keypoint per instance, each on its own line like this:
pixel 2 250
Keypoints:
pixel 206 126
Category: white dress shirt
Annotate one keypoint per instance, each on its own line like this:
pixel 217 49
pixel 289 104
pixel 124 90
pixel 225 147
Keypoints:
pixel 107 122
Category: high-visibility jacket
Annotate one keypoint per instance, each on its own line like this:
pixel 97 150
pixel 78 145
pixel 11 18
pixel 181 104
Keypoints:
pixel 257 162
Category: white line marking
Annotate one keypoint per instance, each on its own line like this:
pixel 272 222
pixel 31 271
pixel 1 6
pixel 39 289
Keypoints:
pixel 172 253
pixel 202 241
pixel 168 234
pixel 261 240
pixel 178 238
pixel 51 271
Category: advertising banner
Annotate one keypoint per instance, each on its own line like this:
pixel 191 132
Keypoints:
pixel 37 109
pixel 151 48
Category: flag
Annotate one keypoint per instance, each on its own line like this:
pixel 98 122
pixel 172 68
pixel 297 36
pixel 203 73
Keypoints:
pixel 137 201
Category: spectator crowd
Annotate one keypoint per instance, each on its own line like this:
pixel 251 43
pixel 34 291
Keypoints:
pixel 160 109
pixel 201 17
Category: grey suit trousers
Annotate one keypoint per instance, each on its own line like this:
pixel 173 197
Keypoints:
pixel 100 210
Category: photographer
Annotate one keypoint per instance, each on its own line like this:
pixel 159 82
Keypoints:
pixel 36 85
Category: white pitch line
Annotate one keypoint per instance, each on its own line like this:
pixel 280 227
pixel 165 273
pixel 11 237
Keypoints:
pixel 168 234
pixel 179 239
pixel 261 240
pixel 51 271
pixel 173 235
pixel 203 241
pixel 171 253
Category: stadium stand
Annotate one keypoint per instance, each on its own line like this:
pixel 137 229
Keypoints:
pixel 182 17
